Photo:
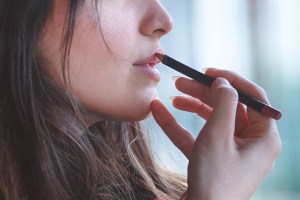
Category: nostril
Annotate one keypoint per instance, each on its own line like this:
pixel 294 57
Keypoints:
pixel 162 31
pixel 164 26
pixel 166 23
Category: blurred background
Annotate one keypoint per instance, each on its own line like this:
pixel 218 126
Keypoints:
pixel 259 39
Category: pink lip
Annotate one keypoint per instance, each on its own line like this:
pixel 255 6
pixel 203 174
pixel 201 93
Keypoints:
pixel 151 60
pixel 147 66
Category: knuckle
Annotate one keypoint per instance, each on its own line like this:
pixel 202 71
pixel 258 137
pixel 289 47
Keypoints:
pixel 262 92
pixel 272 166
pixel 200 107
pixel 229 72
pixel 166 123
pixel 182 143
pixel 228 93
pixel 229 75
pixel 275 144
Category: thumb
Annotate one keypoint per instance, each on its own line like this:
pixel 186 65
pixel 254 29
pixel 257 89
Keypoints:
pixel 225 101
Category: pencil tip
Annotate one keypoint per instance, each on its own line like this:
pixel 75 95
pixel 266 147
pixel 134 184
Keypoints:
pixel 160 56
pixel 271 112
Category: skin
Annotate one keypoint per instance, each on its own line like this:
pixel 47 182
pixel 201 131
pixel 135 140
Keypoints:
pixel 105 79
pixel 236 148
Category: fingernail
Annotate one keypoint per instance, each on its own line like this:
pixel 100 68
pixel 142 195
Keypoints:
pixel 207 68
pixel 174 78
pixel 156 98
pixel 221 81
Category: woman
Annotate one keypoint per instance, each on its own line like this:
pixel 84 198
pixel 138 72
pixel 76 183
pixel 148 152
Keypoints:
pixel 75 79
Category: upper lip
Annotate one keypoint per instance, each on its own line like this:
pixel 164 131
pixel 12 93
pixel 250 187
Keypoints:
pixel 151 60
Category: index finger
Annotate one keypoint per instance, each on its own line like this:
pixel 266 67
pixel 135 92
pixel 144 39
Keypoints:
pixel 180 137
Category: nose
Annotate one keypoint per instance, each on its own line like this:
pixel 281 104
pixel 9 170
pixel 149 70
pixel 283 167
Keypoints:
pixel 157 21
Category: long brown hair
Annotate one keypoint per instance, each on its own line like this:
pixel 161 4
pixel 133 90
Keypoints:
pixel 46 152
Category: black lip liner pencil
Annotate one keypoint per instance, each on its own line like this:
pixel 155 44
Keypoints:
pixel 207 80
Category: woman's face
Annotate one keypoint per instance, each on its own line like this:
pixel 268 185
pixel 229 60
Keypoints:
pixel 115 83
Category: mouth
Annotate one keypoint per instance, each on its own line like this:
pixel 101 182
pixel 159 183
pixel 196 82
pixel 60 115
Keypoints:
pixel 147 66
pixel 149 61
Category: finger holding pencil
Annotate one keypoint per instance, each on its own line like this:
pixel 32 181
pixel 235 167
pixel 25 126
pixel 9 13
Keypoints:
pixel 251 102
pixel 237 146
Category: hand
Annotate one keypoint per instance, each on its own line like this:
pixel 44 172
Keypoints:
pixel 237 146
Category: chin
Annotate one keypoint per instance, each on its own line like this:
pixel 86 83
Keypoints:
pixel 139 116
pixel 145 116
pixel 141 109
pixel 138 112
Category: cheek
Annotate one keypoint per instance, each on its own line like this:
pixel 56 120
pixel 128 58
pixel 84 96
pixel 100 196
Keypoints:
pixel 114 91
pixel 106 85
pixel 120 31
pixel 109 87
pixel 120 40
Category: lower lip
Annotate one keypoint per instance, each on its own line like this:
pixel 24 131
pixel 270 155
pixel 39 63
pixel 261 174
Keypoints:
pixel 151 72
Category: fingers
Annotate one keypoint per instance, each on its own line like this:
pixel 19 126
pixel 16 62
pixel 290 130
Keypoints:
pixel 244 116
pixel 203 93
pixel 245 86
pixel 190 104
pixel 194 89
pixel 240 83
pixel 180 137
pixel 241 121
pixel 203 107
pixel 193 105
pixel 225 101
